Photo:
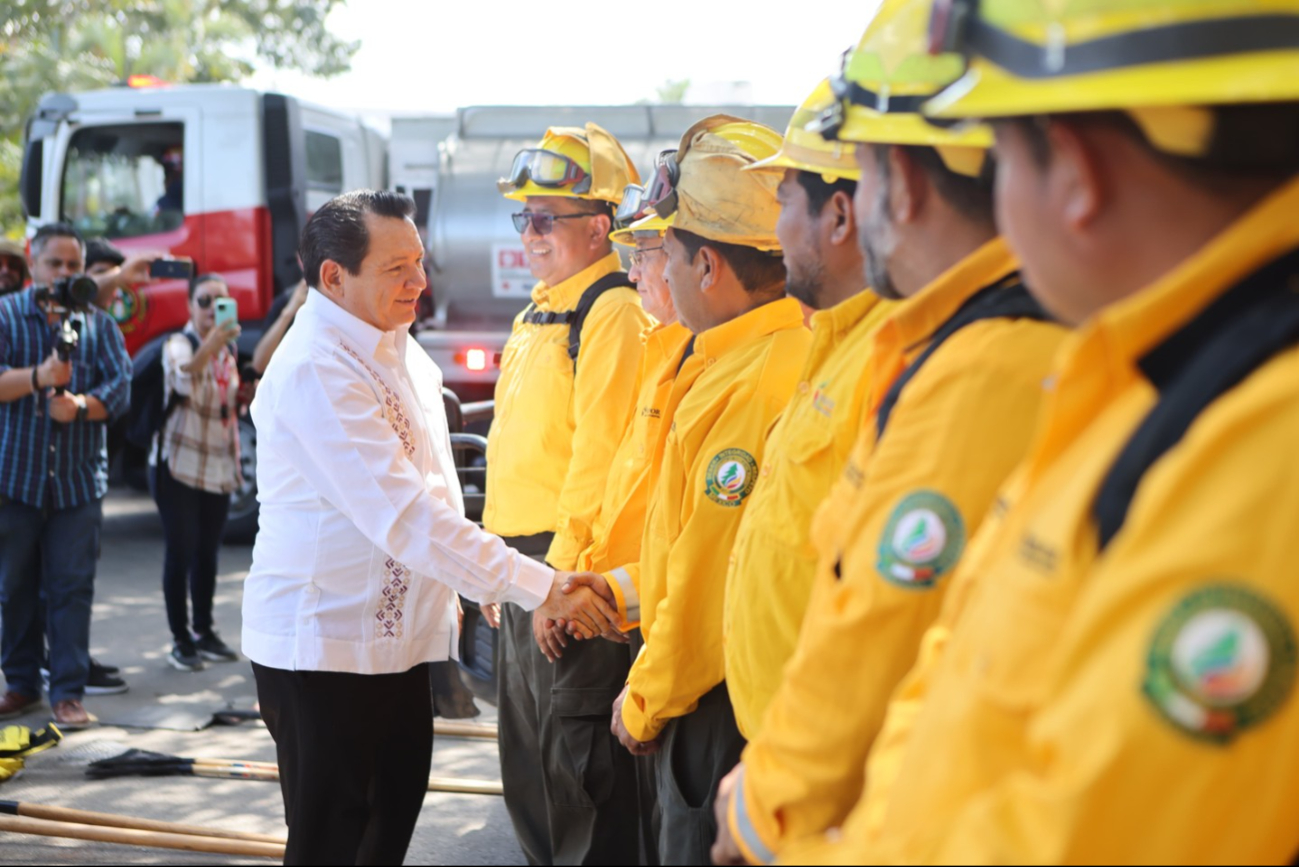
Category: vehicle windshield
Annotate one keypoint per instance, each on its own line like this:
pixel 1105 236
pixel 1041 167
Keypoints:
pixel 125 181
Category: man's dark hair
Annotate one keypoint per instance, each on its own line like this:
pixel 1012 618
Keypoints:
pixel 756 269
pixel 819 191
pixel 100 250
pixel 211 277
pixel 55 230
pixel 1250 142
pixel 970 197
pixel 337 231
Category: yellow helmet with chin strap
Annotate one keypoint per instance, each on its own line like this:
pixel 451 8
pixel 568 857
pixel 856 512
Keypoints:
pixel 1161 61
pixel 652 224
pixel 809 151
pixel 571 162
pixel 887 78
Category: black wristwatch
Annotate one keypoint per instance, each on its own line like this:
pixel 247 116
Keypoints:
pixel 36 381
pixel 83 410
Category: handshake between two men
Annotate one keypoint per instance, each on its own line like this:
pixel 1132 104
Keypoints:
pixel 580 606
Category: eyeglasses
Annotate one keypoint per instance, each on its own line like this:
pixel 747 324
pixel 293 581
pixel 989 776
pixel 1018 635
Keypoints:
pixel 545 169
pixel 542 224
pixel 638 256
pixel 661 194
pixel 12 263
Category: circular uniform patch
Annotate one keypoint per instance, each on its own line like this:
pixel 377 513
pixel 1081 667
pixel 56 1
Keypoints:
pixel 731 476
pixel 1221 662
pixel 922 541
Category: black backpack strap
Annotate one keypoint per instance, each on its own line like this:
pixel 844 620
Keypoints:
pixel 616 280
pixel 1210 355
pixel 1006 299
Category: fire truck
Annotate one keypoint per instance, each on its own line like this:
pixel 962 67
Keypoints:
pixel 227 176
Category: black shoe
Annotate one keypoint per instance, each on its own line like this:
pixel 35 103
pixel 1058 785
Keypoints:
pixel 213 649
pixel 107 669
pixel 184 659
pixel 103 680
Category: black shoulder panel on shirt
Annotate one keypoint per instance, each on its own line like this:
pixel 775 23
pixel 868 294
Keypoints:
pixel 1217 350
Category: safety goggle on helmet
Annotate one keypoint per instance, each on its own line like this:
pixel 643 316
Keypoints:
pixel 661 193
pixel 545 169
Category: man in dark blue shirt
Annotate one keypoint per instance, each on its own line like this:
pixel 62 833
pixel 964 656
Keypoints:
pixel 53 477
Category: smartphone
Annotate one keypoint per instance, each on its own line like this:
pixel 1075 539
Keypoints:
pixel 226 311
pixel 171 269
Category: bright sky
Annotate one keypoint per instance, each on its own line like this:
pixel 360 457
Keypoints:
pixel 420 56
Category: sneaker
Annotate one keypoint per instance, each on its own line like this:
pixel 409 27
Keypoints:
pixel 102 679
pixel 213 649
pixel 184 659
pixel 70 716
pixel 16 704
pixel 106 669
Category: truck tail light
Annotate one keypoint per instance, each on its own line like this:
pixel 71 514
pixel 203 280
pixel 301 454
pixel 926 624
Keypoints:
pixel 475 359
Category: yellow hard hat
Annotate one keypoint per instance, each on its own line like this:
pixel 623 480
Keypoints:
pixel 705 186
pixel 572 162
pixel 653 223
pixel 810 151
pixel 1152 58
pixel 887 78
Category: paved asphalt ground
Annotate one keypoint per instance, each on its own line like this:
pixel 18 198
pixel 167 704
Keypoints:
pixel 129 630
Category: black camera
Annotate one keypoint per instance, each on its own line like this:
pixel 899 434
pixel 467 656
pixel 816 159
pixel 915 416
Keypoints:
pixel 75 293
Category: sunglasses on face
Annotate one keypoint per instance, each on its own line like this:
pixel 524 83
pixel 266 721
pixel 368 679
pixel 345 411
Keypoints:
pixel 205 301
pixel 543 224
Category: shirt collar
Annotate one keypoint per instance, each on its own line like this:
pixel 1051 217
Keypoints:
pixel 844 316
pixel 564 295
pixel 1135 325
pixel 918 317
pixel 362 334
pixel 759 322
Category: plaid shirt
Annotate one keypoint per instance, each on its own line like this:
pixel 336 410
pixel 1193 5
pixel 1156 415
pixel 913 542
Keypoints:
pixel 43 463
pixel 200 446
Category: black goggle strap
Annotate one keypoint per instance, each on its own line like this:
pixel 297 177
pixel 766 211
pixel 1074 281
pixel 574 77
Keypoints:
pixel 955 26
pixel 830 122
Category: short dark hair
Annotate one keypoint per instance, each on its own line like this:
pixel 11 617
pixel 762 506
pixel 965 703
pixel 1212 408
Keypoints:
pixel 756 269
pixel 210 277
pixel 1251 140
pixel 55 230
pixel 820 192
pixel 971 197
pixel 100 250
pixel 337 230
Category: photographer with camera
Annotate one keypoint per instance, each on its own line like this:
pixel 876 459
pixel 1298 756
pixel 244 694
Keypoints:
pixel 64 372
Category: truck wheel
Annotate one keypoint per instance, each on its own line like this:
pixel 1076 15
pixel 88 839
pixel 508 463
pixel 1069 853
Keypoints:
pixel 241 526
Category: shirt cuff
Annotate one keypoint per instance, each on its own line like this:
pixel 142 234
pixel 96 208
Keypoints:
pixel 532 583
pixel 743 831
pixel 626 596
pixel 637 722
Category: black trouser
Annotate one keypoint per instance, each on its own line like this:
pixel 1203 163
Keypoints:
pixel 354 753
pixel 698 750
pixel 570 787
pixel 647 784
pixel 193 523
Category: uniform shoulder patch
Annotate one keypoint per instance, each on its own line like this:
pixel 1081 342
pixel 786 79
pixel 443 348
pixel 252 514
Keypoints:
pixel 730 477
pixel 922 541
pixel 1222 661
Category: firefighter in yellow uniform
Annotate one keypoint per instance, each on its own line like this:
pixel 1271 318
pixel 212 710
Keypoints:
pixel 727 281
pixel 1118 684
pixel 956 382
pixel 565 395
pixel 773 561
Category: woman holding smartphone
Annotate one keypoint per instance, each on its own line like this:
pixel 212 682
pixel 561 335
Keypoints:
pixel 194 466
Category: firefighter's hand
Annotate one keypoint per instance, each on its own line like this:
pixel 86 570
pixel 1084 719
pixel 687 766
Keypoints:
pixel 550 636
pixel 63 407
pixel 635 747
pixel 600 587
pixel 53 372
pixel 584 613
pixel 492 613
pixel 725 850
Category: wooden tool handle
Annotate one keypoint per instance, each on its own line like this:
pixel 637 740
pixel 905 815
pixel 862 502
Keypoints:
pixel 453 729
pixel 467 787
pixel 111 820
pixel 131 837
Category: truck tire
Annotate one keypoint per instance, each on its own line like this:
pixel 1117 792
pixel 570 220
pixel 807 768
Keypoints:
pixel 241 526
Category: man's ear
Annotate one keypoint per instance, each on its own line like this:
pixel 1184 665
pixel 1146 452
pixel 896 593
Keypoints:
pixel 1077 178
pixel 909 187
pixel 601 226
pixel 708 266
pixel 838 214
pixel 331 278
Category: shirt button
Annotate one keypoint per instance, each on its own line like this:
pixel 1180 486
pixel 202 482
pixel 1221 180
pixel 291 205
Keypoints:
pixel 51 448
pixel 766 470
pixel 51 474
pixel 803 388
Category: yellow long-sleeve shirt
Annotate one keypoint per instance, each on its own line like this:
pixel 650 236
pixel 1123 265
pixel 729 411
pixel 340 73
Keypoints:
pixel 888 538
pixel 555 432
pixel 620 525
pixel 726 397
pixel 773 563
pixel 1136 705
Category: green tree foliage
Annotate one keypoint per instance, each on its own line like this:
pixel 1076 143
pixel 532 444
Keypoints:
pixel 72 45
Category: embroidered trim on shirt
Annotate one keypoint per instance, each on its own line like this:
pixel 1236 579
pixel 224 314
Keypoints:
pixel 395 587
pixel 394 410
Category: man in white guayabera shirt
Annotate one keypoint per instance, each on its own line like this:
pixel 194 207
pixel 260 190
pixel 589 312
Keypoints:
pixel 364 543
